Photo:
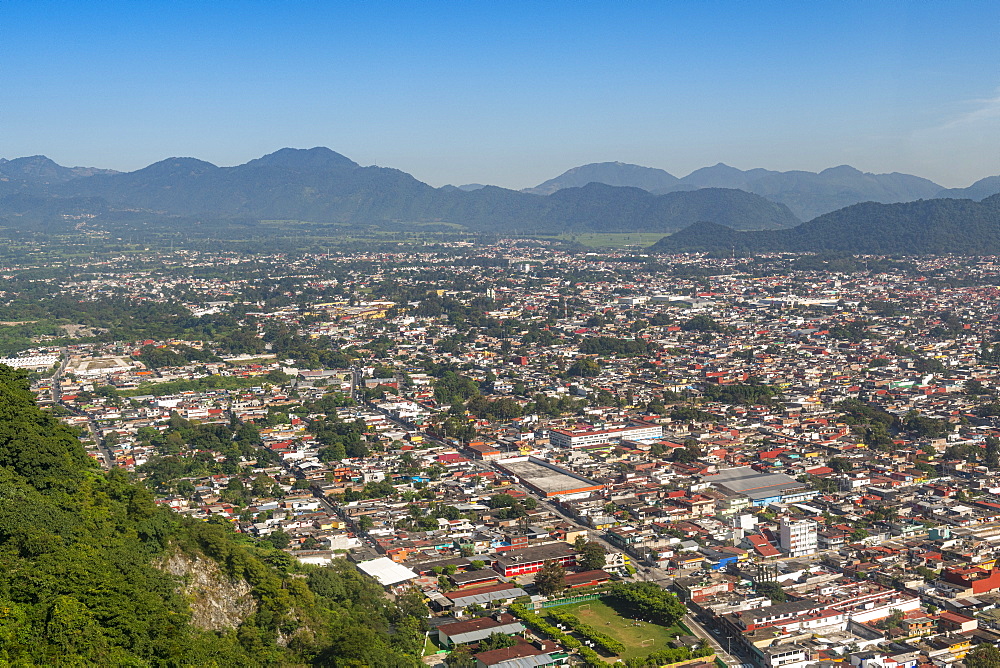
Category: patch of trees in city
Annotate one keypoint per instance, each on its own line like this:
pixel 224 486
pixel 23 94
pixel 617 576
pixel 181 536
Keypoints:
pixel 702 323
pixel 179 355
pixel 648 601
pixel 453 388
pixel 339 439
pixel 748 394
pixel 877 427
pixel 115 317
pixel 507 507
pixel 309 353
pixel 854 331
pixel 188 449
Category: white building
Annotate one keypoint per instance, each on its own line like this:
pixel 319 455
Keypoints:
pixel 786 656
pixel 581 438
pixel 36 362
pixel 797 537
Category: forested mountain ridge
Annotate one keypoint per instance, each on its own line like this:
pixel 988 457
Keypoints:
pixel 806 194
pixel 979 190
pixel 321 186
pixel 927 226
pixel 83 579
pixel 37 171
pixel 608 173
pixel 811 194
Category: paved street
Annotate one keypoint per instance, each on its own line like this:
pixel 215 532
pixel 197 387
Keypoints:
pixel 701 632
pixel 91 425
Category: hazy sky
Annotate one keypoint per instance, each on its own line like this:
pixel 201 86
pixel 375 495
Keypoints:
pixel 505 92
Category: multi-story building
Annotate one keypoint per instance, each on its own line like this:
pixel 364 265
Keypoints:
pixel 582 438
pixel 532 559
pixel 797 537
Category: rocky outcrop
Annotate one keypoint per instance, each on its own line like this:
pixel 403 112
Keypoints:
pixel 217 601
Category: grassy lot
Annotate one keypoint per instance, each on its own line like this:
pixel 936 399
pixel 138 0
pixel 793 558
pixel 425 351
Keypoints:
pixel 614 239
pixel 431 645
pixel 196 385
pixel 640 640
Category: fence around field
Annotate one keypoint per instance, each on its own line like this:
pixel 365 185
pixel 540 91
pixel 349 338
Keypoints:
pixel 711 658
pixel 571 600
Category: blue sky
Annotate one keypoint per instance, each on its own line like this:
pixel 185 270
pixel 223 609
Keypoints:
pixel 508 93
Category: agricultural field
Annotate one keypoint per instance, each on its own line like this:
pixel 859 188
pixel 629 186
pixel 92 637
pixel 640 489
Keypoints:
pixel 613 239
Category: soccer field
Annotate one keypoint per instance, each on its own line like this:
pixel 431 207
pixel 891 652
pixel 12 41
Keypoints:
pixel 640 638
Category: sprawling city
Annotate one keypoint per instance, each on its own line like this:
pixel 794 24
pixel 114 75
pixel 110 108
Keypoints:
pixel 778 460
pixel 463 334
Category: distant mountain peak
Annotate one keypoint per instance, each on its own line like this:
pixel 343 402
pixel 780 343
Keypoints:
pixel 179 164
pixel 36 161
pixel 608 173
pixel 981 189
pixel 42 170
pixel 841 170
pixel 318 157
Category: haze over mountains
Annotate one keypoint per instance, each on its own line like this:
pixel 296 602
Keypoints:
pixel 612 174
pixel 324 187
pixel 806 194
pixel 320 185
pixel 936 226
pixel 39 170
pixel 979 190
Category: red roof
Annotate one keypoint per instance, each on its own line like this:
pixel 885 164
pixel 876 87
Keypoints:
pixel 954 617
pixel 763 548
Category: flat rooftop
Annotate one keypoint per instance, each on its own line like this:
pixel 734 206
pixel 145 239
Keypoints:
pixel 549 481
pixel 754 484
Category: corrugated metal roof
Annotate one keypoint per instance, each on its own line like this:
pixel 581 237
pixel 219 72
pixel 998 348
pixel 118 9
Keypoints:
pixel 386 571
pixel 525 662
pixel 469 599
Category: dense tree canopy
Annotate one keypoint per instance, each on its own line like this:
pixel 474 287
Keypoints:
pixel 647 600
pixel 80 582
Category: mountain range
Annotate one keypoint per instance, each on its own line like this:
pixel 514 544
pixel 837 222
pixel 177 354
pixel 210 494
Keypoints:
pixel 323 187
pixel 612 174
pixel 806 194
pixel 37 170
pixel 979 190
pixel 961 226
pixel 319 185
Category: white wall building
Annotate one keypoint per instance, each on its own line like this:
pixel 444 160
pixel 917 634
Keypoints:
pixel 797 537
pixel 38 362
pixel 581 438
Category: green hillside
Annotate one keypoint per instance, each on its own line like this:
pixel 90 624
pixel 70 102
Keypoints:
pixel 84 561
pixel 927 226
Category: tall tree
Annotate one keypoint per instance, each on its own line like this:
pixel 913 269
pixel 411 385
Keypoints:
pixel 592 555
pixel 992 451
pixel 551 579
pixel 985 655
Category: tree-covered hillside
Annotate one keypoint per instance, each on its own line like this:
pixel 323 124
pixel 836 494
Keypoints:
pixel 84 576
pixel 926 226
pixel 321 186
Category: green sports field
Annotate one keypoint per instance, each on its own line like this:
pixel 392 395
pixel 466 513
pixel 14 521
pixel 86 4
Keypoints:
pixel 640 640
